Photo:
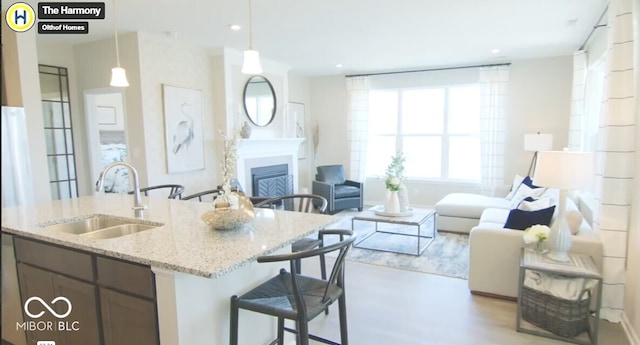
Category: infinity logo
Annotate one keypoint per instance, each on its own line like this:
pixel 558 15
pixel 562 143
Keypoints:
pixel 44 304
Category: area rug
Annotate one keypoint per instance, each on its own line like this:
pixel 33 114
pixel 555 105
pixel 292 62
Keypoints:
pixel 447 255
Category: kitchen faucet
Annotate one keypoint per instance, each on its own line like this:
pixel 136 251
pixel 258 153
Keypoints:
pixel 138 206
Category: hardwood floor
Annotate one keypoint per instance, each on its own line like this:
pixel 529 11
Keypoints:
pixel 388 306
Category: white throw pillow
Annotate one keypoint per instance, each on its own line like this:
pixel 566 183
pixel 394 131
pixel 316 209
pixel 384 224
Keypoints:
pixel 524 192
pixel 517 180
pixel 535 205
pixel 573 216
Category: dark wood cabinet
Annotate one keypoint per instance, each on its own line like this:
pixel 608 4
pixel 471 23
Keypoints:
pixel 127 320
pixel 113 301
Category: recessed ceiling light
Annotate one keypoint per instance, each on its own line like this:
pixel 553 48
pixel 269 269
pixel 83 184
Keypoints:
pixel 339 65
pixel 495 51
pixel 235 27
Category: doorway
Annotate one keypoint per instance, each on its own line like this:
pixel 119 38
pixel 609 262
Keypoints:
pixel 107 137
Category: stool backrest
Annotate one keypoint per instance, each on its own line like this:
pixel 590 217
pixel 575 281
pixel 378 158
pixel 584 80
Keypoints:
pixel 296 202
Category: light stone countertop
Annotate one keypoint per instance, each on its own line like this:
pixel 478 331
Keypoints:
pixel 183 244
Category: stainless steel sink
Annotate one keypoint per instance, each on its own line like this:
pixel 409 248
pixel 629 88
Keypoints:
pixel 88 225
pixel 102 226
pixel 117 231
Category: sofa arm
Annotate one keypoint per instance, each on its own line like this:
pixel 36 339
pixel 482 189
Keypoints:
pixel 494 258
pixel 354 184
pixel 494 261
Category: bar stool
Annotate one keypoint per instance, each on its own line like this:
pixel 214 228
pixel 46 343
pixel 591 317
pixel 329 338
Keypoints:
pixel 290 295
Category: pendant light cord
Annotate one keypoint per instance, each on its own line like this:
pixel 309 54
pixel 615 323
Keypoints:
pixel 250 27
pixel 115 30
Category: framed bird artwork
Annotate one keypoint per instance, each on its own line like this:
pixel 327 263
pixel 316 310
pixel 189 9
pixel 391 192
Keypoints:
pixel 183 127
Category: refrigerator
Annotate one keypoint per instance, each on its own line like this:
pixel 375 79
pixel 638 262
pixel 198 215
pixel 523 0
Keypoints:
pixel 17 189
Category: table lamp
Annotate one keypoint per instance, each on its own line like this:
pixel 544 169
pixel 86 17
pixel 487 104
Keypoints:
pixel 536 142
pixel 564 170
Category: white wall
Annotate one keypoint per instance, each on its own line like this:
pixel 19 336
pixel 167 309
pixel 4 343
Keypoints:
pixel 165 60
pixel 539 100
pixel 300 92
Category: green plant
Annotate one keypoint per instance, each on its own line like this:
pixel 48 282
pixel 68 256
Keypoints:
pixel 395 172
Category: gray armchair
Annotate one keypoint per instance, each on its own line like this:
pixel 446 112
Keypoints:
pixel 339 192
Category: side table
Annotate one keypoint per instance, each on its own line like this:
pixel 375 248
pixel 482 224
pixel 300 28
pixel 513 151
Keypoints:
pixel 579 266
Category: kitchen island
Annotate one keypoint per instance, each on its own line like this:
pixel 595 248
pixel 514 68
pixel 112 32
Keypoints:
pixel 196 269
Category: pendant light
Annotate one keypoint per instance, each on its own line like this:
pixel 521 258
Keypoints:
pixel 118 74
pixel 251 64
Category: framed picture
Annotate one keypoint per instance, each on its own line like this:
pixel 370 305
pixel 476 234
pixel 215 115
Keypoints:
pixel 183 126
pixel 106 115
pixel 298 117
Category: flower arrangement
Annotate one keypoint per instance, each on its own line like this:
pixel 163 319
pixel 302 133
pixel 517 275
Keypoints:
pixel 228 162
pixel 395 172
pixel 536 234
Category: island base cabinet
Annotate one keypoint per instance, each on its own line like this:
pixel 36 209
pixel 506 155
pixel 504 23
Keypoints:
pixel 128 320
pixel 80 326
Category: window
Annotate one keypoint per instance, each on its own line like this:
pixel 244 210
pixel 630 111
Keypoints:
pixel 436 128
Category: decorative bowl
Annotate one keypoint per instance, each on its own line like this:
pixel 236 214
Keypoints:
pixel 230 213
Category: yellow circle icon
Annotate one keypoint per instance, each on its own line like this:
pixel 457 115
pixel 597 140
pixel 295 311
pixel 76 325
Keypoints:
pixel 20 17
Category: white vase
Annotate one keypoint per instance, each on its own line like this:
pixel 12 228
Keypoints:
pixel 403 196
pixel 393 203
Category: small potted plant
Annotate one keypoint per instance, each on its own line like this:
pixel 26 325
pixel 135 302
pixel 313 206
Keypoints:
pixel 393 182
pixel 537 234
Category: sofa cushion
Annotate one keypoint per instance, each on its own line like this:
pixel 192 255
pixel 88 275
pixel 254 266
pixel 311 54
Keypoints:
pixel 494 215
pixel 520 220
pixel 345 191
pixel 468 205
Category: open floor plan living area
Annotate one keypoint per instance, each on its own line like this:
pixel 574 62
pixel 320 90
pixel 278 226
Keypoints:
pixel 262 172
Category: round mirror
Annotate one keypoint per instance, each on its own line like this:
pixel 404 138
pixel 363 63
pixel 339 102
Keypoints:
pixel 259 101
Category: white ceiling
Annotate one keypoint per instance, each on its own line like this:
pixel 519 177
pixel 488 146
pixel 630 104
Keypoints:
pixel 312 36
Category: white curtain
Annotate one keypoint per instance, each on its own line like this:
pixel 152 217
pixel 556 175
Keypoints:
pixel 615 157
pixel 578 90
pixel 358 125
pixel 494 82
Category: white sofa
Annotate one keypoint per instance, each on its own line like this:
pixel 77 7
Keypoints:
pixel 460 212
pixel 494 251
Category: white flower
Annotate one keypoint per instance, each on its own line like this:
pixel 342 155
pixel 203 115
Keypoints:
pixel 536 233
pixel 395 181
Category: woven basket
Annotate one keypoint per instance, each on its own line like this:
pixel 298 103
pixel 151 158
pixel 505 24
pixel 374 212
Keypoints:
pixel 562 317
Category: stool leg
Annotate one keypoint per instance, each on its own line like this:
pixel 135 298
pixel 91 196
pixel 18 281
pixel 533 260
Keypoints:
pixel 303 332
pixel 281 331
pixel 342 306
pixel 233 325
pixel 323 275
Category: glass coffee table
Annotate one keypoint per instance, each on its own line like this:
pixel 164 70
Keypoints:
pixel 410 227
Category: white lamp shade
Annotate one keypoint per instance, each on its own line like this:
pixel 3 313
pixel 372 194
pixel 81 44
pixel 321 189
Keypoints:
pixel 564 170
pixel 251 63
pixel 538 142
pixel 119 77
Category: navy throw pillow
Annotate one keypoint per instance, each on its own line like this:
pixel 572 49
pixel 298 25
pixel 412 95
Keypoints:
pixel 520 220
pixel 529 183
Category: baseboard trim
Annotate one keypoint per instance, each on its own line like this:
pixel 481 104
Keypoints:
pixel 493 295
pixel 629 331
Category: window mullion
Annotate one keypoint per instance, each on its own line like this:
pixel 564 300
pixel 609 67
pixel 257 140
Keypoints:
pixel 399 124
pixel 444 169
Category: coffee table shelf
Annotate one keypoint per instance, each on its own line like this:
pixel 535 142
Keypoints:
pixel 420 218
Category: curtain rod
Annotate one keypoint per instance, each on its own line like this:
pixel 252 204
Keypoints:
pixel 595 27
pixel 425 70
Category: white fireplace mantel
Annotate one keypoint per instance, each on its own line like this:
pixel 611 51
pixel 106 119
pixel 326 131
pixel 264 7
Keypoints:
pixel 252 153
